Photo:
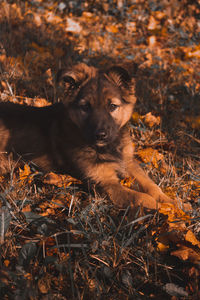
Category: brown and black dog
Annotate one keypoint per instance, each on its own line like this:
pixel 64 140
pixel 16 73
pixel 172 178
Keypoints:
pixel 86 135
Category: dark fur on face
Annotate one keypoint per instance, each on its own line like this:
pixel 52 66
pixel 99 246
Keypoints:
pixel 99 102
pixel 85 135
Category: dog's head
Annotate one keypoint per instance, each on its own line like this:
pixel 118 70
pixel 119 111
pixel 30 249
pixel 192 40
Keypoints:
pixel 99 102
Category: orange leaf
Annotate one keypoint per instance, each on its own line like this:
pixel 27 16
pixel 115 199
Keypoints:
pixel 44 285
pixel 162 247
pixel 152 23
pixel 24 173
pixel 40 102
pixel 159 15
pixel 186 253
pixel 194 54
pixel 136 117
pixel 177 218
pixel 174 213
pixel 194 121
pixel 27 208
pixel 181 253
pixel 128 181
pixel 150 155
pixel 112 28
pixel 151 120
pixel 6 262
pixel 60 180
pixel 152 41
pixel 28 276
pixel 131 26
pixel 190 237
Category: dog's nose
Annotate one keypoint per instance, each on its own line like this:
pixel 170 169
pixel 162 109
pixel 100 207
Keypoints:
pixel 101 135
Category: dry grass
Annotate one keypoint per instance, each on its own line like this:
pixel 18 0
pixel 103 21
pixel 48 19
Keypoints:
pixel 60 242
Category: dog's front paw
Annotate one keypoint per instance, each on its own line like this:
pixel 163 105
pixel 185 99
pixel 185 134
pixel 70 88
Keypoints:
pixel 123 197
pixel 156 192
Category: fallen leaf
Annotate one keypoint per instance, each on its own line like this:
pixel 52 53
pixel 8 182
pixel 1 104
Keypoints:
pixel 160 15
pixel 27 208
pixel 43 285
pixel 175 290
pixel 24 173
pixel 40 102
pixel 190 237
pixel 129 181
pixel 150 155
pixel 136 117
pixel 152 23
pixel 152 41
pixel 162 247
pixel 73 26
pixel 151 120
pixel 131 26
pixel 194 121
pixel 175 215
pixel 6 262
pixel 186 253
pixel 60 180
pixel 112 28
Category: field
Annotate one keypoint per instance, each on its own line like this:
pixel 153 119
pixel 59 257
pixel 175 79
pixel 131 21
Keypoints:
pixel 57 240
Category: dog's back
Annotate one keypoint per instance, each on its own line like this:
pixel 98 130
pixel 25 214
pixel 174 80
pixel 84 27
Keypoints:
pixel 25 131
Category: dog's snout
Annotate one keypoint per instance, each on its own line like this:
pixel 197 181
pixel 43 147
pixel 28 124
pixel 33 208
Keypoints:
pixel 101 135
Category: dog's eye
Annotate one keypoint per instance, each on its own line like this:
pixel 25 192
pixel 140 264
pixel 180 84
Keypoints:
pixel 113 107
pixel 85 106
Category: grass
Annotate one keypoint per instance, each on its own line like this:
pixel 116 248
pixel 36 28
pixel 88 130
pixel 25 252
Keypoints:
pixel 60 242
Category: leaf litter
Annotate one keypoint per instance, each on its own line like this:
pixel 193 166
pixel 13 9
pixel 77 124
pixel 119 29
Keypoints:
pixel 59 242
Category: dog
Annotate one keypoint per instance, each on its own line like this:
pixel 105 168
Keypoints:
pixel 85 135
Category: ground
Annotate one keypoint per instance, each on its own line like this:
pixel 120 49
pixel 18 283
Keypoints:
pixel 58 242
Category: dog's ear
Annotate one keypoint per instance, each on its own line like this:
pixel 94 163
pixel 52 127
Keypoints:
pixel 66 81
pixel 71 79
pixel 121 77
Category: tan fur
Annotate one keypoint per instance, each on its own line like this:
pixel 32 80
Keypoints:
pixel 86 135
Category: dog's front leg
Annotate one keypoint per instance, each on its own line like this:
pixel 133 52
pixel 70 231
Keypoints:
pixel 134 170
pixel 149 187
pixel 146 184
pixel 105 176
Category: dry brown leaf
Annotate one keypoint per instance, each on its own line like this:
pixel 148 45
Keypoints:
pixel 40 102
pixel 190 237
pixel 194 121
pixel 153 24
pixel 177 218
pixel 58 52
pixel 151 120
pixel 26 208
pixel 60 180
pixel 131 26
pixel 171 236
pixel 152 41
pixel 174 214
pixel 73 26
pixel 159 15
pixel 162 247
pixel 24 173
pixel 6 262
pixel 44 285
pixel 112 28
pixel 186 253
pixel 129 181
pixel 150 155
pixel 136 117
